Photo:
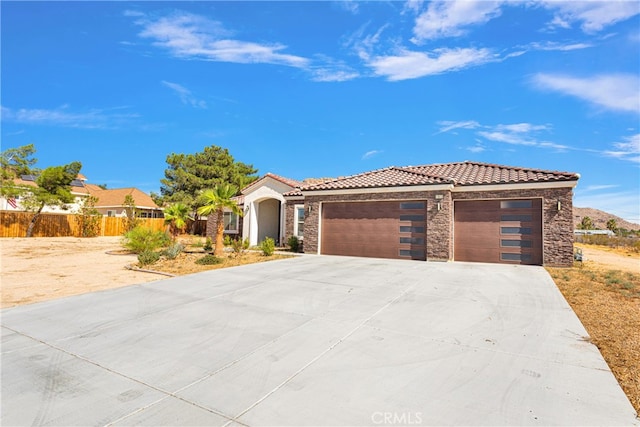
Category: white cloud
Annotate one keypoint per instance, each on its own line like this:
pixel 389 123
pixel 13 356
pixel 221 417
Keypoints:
pixel 191 36
pixel 93 119
pixel 475 149
pixel 351 6
pixel 449 18
pixel 522 127
pixel 628 150
pixel 507 137
pixel 410 64
pixel 619 92
pixel 592 16
pixel 370 154
pixel 563 47
pixel 447 126
pixel 600 187
pixel 185 95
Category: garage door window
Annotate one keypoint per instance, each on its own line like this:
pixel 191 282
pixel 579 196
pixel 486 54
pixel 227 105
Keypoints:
pixel 412 205
pixel 521 218
pixel 515 204
pixel 515 230
pixel 515 243
pixel 411 217
pixel 412 240
pixel 413 253
pixel 410 229
pixel 515 257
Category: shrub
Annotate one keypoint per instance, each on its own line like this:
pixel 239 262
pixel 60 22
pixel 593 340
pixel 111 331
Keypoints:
pixel 209 260
pixel 142 239
pixel 173 251
pixel 239 246
pixel 208 245
pixel 227 240
pixel 148 257
pixel 294 244
pixel 268 246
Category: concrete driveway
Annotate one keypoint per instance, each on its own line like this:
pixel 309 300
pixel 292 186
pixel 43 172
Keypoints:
pixel 311 341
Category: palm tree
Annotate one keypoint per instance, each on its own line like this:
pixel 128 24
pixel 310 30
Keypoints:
pixel 176 216
pixel 612 225
pixel 215 201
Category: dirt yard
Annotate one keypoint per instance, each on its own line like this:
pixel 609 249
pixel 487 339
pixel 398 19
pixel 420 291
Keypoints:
pixel 44 268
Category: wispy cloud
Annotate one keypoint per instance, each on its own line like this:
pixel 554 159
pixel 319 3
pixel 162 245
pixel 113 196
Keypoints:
pixel 448 126
pixel 64 117
pixel 556 46
pixel 370 154
pixel 617 92
pixel 628 149
pixel 190 36
pixel 600 187
pixel 185 95
pixel 351 6
pixel 592 16
pixel 408 64
pixel 451 18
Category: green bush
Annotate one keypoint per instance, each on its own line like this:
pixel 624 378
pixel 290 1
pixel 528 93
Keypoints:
pixel 239 246
pixel 208 245
pixel 227 240
pixel 209 260
pixel 268 246
pixel 148 257
pixel 173 251
pixel 142 239
pixel 294 244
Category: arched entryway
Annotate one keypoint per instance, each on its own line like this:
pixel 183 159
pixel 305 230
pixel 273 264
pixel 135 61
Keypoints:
pixel 268 219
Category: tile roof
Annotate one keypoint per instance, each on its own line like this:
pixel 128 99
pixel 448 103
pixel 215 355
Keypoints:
pixel 287 181
pixel 459 174
pixel 116 196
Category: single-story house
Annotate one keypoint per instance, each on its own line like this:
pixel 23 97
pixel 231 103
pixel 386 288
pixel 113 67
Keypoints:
pixel 465 211
pixel 110 201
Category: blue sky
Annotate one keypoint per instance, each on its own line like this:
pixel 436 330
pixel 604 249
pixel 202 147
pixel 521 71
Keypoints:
pixel 325 89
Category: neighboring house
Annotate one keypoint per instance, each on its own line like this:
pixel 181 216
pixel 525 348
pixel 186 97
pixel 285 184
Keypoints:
pixel 110 201
pixel 607 233
pixel 465 211
pixel 78 190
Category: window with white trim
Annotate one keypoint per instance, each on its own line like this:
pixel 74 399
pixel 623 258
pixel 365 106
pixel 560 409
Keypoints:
pixel 230 222
pixel 111 213
pixel 298 221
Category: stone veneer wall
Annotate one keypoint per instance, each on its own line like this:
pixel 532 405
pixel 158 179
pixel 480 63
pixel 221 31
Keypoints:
pixel 289 217
pixel 439 226
pixel 557 226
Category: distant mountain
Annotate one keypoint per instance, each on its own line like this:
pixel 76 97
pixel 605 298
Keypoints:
pixel 600 219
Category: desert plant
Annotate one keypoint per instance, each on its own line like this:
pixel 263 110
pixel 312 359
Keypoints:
pixel 215 201
pixel 239 246
pixel 148 257
pixel 176 216
pixel 227 240
pixel 88 218
pixel 131 220
pixel 140 239
pixel 173 251
pixel 294 243
pixel 268 246
pixel 209 260
pixel 208 245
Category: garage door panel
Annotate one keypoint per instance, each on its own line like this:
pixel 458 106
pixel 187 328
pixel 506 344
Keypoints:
pixel 502 231
pixel 372 229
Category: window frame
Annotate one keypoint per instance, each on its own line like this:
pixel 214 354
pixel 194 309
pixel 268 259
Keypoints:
pixel 296 221
pixel 237 221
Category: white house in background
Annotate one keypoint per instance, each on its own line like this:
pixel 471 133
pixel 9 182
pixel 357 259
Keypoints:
pixel 110 201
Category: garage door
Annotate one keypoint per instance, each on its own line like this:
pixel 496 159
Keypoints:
pixel 500 231
pixel 374 229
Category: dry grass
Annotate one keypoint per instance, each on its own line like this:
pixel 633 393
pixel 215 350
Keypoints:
pixel 607 301
pixel 185 263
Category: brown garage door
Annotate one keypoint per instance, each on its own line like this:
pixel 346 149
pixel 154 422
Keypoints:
pixel 374 229
pixel 501 231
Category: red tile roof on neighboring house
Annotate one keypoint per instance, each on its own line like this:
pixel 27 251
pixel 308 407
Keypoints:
pixel 462 173
pixel 287 181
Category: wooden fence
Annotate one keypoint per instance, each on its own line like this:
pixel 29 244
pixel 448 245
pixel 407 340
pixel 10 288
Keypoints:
pixel 15 224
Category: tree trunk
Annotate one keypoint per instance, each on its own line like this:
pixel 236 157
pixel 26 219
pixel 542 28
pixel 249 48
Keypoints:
pixel 33 221
pixel 219 233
